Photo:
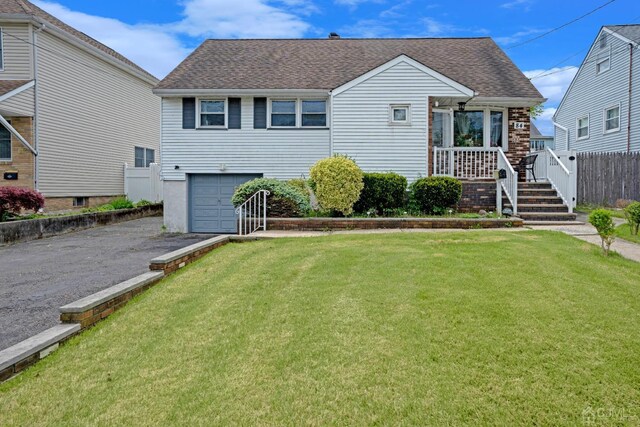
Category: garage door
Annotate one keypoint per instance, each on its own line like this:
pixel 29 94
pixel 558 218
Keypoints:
pixel 210 207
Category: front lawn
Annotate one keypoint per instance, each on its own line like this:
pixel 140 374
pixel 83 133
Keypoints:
pixel 479 327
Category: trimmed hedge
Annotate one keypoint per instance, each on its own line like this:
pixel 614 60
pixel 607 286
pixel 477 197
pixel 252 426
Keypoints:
pixel 381 191
pixel 337 183
pixel 435 194
pixel 284 200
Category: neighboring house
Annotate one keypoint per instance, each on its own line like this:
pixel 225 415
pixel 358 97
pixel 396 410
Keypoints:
pixel 539 141
pixel 72 110
pixel 237 109
pixel 604 94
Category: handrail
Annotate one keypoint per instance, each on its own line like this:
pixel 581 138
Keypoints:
pixel 510 184
pixel 252 214
pixel 561 178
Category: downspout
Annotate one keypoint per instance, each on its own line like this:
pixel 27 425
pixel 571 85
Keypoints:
pixel 629 107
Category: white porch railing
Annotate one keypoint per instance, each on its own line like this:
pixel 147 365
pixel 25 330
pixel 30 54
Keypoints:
pixel 465 162
pixel 510 184
pixel 549 167
pixel 252 214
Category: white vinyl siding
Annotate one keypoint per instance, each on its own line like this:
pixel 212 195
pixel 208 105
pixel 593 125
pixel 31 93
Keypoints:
pixel 278 153
pixel 89 117
pixel 361 120
pixel 590 93
pixel 21 105
pixel 16 52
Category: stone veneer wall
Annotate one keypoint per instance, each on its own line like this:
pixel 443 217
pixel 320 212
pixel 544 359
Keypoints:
pixel 519 139
pixel 22 160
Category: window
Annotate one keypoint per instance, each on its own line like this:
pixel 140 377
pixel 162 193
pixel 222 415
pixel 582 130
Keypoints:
pixel 79 202
pixel 583 128
pixel 144 157
pixel 468 129
pixel 400 114
pixel 496 126
pixel 283 113
pixel 314 113
pixel 602 65
pixel 603 40
pixel 5 144
pixel 212 113
pixel 612 119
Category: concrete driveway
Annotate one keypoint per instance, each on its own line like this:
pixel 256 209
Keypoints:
pixel 39 276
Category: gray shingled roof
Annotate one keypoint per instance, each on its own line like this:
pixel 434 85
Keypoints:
pixel 631 31
pixel 477 63
pixel 29 10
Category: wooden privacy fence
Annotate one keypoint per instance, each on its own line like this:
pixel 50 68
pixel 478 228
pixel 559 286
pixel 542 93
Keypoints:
pixel 604 178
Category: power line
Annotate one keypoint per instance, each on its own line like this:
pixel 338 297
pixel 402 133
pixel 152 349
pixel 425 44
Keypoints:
pixel 560 27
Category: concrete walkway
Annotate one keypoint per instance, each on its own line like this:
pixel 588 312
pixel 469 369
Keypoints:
pixel 39 276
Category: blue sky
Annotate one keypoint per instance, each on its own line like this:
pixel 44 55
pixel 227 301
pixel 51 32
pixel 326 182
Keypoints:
pixel 158 34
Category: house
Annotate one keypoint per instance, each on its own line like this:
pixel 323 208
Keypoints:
pixel 72 110
pixel 539 141
pixel 238 109
pixel 598 112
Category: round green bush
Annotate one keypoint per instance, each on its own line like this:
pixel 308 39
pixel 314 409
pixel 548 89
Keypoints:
pixel 602 221
pixel 435 194
pixel 337 183
pixel 381 191
pixel 632 212
pixel 284 200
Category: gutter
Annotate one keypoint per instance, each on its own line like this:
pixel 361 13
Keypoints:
pixel 248 92
pixel 15 133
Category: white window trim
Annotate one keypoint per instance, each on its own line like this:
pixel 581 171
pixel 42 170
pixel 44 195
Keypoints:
pixel 604 119
pixel 298 112
pixel 486 123
pixel 393 122
pixel 144 158
pixel 199 113
pixel 2 49
pixel 600 61
pixel 586 116
pixel 10 159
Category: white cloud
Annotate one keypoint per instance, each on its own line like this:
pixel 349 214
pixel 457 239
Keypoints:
pixel 159 48
pixel 516 37
pixel 368 28
pixel 552 83
pixel 524 4
pixel 544 122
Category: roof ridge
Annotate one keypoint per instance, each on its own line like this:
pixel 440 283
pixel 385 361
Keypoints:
pixel 348 38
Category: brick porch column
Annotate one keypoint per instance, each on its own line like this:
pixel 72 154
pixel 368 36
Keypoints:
pixel 519 139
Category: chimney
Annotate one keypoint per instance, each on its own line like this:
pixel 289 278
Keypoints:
pixel 334 36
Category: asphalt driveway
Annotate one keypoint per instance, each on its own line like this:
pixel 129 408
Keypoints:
pixel 38 277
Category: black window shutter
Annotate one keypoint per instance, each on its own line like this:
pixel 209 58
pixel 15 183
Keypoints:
pixel 259 113
pixel 234 113
pixel 188 113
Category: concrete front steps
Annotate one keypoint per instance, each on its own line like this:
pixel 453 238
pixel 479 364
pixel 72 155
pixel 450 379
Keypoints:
pixel 538 201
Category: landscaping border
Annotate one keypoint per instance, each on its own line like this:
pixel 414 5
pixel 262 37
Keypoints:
pixel 332 224
pixel 32 229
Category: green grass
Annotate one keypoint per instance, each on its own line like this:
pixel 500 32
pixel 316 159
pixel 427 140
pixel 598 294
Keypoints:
pixel 481 328
pixel 616 213
pixel 624 232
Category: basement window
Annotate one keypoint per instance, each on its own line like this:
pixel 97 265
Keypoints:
pixel 80 202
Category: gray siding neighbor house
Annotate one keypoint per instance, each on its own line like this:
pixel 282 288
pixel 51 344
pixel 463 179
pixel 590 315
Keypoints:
pixel 236 109
pixel 599 112
pixel 72 110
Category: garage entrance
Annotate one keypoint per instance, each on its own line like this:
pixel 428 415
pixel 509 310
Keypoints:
pixel 210 207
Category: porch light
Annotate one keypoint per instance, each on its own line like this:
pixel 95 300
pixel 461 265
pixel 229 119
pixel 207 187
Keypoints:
pixel 461 106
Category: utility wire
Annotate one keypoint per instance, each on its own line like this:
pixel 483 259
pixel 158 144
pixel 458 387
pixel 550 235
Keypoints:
pixel 560 27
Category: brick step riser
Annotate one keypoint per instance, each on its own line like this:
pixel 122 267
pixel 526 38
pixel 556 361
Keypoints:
pixel 558 217
pixel 539 200
pixel 531 185
pixel 543 209
pixel 536 193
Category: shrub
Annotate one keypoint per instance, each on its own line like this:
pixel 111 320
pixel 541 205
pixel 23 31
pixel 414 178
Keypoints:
pixel 13 200
pixel 382 192
pixel 143 203
pixel 632 212
pixel 301 185
pixel 435 194
pixel 283 201
pixel 105 208
pixel 338 183
pixel 121 203
pixel 601 220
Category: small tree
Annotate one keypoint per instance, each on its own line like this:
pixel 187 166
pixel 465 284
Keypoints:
pixel 337 183
pixel 602 221
pixel 632 212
